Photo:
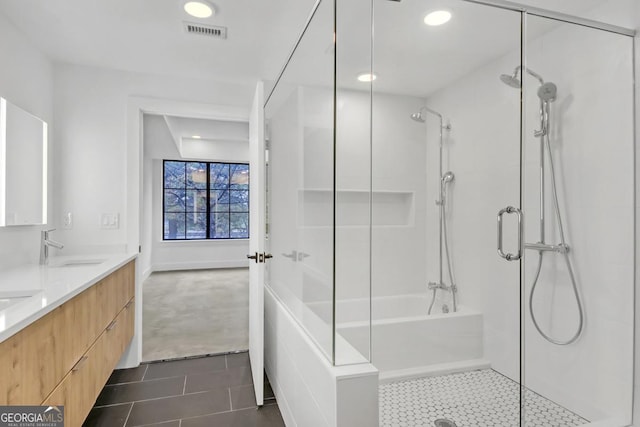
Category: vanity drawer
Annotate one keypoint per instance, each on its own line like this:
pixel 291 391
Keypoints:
pixel 77 391
pixel 34 360
pixel 120 335
pixel 114 292
pixel 80 388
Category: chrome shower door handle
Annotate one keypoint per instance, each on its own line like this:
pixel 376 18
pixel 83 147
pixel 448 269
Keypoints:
pixel 509 256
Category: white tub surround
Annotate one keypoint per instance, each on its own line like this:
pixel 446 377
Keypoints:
pixel 408 343
pixel 310 391
pixel 45 288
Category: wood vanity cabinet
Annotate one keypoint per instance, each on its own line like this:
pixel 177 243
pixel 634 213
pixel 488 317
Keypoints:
pixel 66 357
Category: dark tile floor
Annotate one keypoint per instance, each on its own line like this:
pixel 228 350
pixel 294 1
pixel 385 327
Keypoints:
pixel 215 391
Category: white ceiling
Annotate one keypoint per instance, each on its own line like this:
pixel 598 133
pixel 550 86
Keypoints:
pixel 207 130
pixel 410 58
pixel 218 139
pixel 148 36
pixel 419 59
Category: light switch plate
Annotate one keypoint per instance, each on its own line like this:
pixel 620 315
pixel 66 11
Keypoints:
pixel 109 221
pixel 67 221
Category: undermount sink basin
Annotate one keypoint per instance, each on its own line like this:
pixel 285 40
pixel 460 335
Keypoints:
pixel 78 263
pixel 9 298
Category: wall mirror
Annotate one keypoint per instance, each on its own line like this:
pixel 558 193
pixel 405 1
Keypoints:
pixel 23 167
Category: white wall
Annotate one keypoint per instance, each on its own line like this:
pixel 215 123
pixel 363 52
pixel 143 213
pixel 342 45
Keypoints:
pixel 300 204
pixel 99 150
pixel 627 13
pixel 400 178
pixel 158 146
pixel 91 114
pixel 482 151
pixel 26 80
pixel 301 157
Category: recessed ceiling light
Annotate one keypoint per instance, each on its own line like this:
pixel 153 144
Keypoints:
pixel 198 9
pixel 366 77
pixel 437 17
pixel 196 137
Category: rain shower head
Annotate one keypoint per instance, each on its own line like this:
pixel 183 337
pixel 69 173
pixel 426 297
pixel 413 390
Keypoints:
pixel 546 92
pixel 511 80
pixel 418 117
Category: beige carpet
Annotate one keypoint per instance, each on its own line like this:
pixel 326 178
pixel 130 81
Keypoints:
pixel 195 312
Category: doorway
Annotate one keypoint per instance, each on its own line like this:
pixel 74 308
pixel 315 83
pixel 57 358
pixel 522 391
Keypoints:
pixel 195 231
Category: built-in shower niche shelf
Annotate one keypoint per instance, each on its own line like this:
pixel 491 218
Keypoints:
pixel 388 208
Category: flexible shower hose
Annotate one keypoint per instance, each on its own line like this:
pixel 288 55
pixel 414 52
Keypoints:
pixel 567 261
pixel 445 232
pixel 452 281
pixel 433 301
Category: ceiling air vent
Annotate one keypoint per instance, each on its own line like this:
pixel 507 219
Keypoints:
pixel 206 30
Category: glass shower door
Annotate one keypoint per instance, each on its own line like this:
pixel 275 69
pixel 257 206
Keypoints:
pixel 446 150
pixel 579 191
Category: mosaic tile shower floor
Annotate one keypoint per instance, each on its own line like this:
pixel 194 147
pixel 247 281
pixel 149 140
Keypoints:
pixel 481 398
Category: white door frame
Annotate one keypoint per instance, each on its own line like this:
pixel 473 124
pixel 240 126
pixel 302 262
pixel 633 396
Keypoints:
pixel 136 108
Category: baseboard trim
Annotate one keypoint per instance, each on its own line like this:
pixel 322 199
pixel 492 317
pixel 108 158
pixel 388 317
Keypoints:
pixel 146 274
pixel 242 263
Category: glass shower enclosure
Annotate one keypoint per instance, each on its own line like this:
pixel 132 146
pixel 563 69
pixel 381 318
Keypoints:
pixel 454 204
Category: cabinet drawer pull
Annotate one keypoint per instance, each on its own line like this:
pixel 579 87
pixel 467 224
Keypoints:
pixel 128 305
pixel 112 325
pixel 80 363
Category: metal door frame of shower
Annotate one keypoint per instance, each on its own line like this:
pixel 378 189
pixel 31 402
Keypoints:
pixel 557 16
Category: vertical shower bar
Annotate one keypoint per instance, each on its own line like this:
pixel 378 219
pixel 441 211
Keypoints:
pixel 542 186
pixel 441 201
pixel 440 204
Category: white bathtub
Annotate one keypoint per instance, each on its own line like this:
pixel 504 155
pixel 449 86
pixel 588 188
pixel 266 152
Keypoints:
pixel 406 342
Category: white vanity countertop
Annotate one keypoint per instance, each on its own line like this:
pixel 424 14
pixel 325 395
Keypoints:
pixel 46 287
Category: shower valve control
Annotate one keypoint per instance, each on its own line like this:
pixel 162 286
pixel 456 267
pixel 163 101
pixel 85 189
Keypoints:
pixel 436 285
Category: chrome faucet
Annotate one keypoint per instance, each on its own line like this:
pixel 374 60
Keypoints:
pixel 45 242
